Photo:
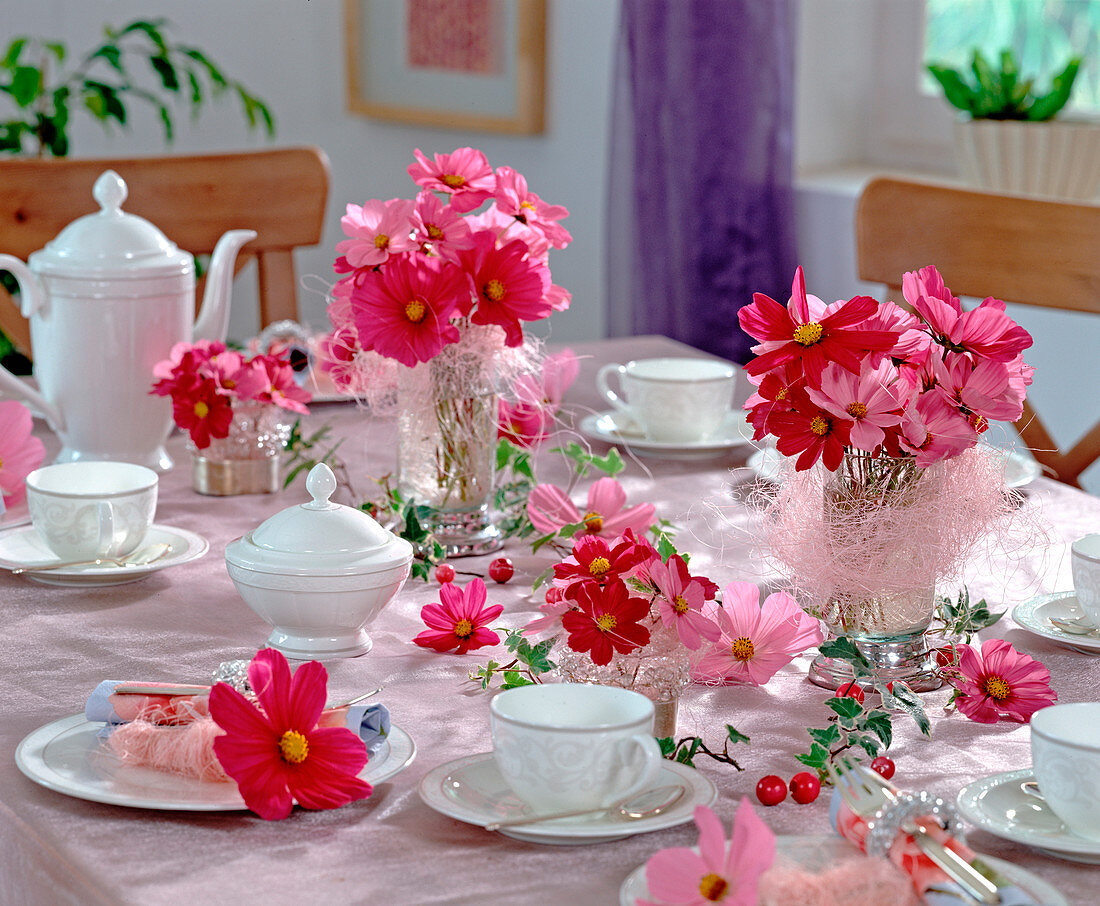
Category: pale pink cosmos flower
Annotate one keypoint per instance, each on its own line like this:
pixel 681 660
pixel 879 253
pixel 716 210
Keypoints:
pixel 913 346
pixel 716 874
pixel 464 174
pixel 932 429
pixel 549 508
pixel 516 200
pixel 983 388
pixel 869 399
pixel 20 451
pixel 757 640
pixel 376 230
pixel 1000 683
pixel 440 227
pixel 680 603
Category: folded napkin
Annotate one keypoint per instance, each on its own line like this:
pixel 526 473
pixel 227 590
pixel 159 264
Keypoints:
pixel 928 879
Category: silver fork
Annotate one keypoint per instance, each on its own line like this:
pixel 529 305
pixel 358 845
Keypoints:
pixel 865 792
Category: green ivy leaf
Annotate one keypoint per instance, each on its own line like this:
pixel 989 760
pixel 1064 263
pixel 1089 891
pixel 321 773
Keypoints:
pixel 817 757
pixel 667 745
pixel 845 707
pixel 735 735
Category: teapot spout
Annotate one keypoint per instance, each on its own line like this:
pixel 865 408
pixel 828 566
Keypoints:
pixel 213 320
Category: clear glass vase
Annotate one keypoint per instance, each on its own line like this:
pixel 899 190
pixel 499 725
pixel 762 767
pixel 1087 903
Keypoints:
pixel 247 460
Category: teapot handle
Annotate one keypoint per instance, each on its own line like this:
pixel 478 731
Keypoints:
pixel 31 294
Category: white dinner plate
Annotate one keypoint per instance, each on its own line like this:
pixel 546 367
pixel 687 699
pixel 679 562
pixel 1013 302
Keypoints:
pixel 1034 616
pixel 471 789
pixel 15 516
pixel 616 428
pixel 68 756
pixel 25 547
pixel 814 853
pixel 998 804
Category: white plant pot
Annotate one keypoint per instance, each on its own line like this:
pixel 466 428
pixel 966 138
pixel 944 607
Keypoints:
pixel 1057 159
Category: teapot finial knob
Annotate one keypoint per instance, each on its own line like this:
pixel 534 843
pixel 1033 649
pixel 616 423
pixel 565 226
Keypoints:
pixel 321 484
pixel 110 191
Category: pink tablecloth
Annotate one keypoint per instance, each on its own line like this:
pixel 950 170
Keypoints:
pixel 180 623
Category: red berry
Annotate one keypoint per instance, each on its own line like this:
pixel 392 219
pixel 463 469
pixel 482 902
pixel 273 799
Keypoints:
pixel 884 766
pixel 805 787
pixel 851 690
pixel 947 656
pixel 444 573
pixel 501 570
pixel 771 790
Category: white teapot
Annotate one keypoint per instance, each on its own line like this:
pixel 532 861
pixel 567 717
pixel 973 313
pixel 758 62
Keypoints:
pixel 107 299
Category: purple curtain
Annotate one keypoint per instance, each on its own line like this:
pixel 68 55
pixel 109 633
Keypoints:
pixel 701 207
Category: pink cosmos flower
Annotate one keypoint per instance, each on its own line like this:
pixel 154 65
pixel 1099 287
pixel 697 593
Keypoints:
pixel 509 286
pixel 554 607
pixel 1000 683
pixel 267 380
pixel 549 508
pixel 514 199
pixel 681 602
pixel 376 230
pixel 807 331
pixel 811 432
pixel 757 640
pixel 986 331
pixel 277 753
pixel 869 399
pixel 605 619
pixel 523 424
pixel 439 227
pixel 933 429
pixel 913 345
pixel 716 874
pixel 404 311
pixel 464 174
pixel 20 451
pixel 982 389
pixel 558 373
pixel 459 621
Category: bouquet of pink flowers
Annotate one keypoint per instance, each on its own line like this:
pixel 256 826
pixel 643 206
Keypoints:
pixel 872 377
pixel 205 379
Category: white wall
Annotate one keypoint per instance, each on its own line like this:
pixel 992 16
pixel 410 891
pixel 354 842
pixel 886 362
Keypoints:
pixel 291 53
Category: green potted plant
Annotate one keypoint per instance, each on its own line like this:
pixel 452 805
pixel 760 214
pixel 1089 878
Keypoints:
pixel 1007 136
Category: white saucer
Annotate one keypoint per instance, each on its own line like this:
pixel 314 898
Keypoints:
pixel 815 853
pixel 768 464
pixel 999 805
pixel 1034 616
pixel 472 790
pixel 25 547
pixel 616 428
pixel 15 516
pixel 68 756
pixel 1020 469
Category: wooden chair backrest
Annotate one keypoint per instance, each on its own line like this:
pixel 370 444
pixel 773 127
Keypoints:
pixel 193 199
pixel 1025 250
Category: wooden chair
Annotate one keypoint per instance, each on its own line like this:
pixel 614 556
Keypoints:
pixel 1024 250
pixel 193 199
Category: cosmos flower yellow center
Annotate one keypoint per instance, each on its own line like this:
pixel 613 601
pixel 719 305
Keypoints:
pixel 605 622
pixel 453 180
pixel 996 688
pixel 599 567
pixel 464 629
pixel 294 747
pixel 713 887
pixel 434 232
pixel 782 394
pixel 808 334
pixel 381 241
pixel 593 521
pixel 856 410
pixel 680 604
pixel 743 649
pixel 494 290
pixel 201 409
pixel 527 204
pixel 415 310
pixel 819 425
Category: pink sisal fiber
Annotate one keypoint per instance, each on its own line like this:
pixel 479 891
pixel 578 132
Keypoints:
pixel 186 750
pixel 860 879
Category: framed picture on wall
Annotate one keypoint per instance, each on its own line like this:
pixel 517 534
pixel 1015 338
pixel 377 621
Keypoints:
pixel 465 64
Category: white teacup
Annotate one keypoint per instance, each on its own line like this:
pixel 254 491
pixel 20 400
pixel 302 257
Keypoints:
pixel 1085 563
pixel 84 510
pixel 566 746
pixel 672 400
pixel 1065 755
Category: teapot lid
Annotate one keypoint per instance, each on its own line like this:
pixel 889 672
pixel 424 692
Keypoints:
pixel 111 243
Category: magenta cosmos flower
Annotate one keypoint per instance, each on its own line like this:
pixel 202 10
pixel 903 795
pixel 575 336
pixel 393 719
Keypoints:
pixel 869 399
pixel 1000 683
pixel 509 286
pixel 20 451
pixel 717 873
pixel 277 753
pixel 403 312
pixel 376 230
pixel 596 561
pixel 933 429
pixel 605 619
pixel 459 620
pixel 681 600
pixel 464 174
pixel 757 640
pixel 549 508
pixel 811 432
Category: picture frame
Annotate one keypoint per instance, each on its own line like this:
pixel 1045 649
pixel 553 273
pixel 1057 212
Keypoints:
pixel 477 65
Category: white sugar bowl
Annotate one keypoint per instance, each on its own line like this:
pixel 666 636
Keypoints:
pixel 319 573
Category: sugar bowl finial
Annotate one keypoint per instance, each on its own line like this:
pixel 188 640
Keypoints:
pixel 321 484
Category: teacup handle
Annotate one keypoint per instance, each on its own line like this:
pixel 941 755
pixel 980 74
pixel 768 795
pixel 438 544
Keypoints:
pixel 105 514
pixel 605 389
pixel 651 753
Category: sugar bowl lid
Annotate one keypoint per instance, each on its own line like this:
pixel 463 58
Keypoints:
pixel 320 538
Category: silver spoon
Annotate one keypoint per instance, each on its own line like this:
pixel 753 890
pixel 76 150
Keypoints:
pixel 1074 625
pixel 142 557
pixel 642 805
